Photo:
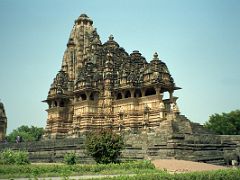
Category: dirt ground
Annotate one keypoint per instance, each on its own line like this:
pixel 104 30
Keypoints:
pixel 178 166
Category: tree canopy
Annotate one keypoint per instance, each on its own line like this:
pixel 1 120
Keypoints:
pixel 225 123
pixel 26 133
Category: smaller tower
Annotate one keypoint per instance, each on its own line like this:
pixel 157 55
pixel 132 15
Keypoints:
pixel 58 101
pixel 3 122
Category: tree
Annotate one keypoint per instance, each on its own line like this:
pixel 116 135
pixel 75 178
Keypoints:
pixel 104 146
pixel 26 133
pixel 225 123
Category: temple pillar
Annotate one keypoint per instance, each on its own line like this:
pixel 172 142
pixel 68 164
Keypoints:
pixel 157 89
pixel 49 105
pixel 88 95
pixel 58 103
pixel 132 93
pixel 143 92
pixel 52 103
pixel 122 94
pixel 171 96
pixel 162 109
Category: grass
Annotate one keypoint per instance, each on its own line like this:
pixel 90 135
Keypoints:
pixel 226 174
pixel 141 170
pixel 52 170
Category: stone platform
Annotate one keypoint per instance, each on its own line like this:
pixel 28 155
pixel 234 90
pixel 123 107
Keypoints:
pixel 213 149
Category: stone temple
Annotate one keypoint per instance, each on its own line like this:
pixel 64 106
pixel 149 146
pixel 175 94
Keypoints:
pixel 3 122
pixel 100 85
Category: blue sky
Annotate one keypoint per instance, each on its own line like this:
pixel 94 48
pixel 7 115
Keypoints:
pixel 198 40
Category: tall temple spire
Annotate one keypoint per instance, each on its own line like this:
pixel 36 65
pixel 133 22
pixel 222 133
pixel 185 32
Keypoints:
pixel 99 80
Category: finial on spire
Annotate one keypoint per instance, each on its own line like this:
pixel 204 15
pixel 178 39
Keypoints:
pixel 111 37
pixel 155 56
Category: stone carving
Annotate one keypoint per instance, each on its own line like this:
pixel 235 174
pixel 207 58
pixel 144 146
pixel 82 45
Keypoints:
pixel 162 106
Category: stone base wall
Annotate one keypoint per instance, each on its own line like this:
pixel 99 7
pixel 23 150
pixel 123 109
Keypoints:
pixel 145 145
pixel 52 150
pixel 209 148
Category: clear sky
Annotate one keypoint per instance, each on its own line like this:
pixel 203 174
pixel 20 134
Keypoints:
pixel 198 40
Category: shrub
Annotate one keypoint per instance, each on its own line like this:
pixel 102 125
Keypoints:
pixel 70 158
pixel 9 156
pixel 21 157
pixel 104 146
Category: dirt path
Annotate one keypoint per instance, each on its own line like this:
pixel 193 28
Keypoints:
pixel 184 166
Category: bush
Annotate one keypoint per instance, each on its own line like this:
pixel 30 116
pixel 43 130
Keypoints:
pixel 70 158
pixel 104 146
pixel 9 156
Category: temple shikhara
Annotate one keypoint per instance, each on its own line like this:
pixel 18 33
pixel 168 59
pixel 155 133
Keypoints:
pixel 100 85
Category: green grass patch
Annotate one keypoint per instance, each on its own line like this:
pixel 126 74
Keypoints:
pixel 139 170
pixel 51 170
pixel 226 174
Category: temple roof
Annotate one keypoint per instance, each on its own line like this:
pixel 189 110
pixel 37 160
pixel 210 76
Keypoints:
pixel 87 63
pixel 60 83
pixel 111 42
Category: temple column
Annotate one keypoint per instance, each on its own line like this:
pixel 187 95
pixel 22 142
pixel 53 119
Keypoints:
pixel 157 89
pixel 122 94
pixel 132 93
pixel 161 109
pixel 49 105
pixel 171 96
pixel 88 95
pixel 143 92
pixel 58 103
pixel 52 103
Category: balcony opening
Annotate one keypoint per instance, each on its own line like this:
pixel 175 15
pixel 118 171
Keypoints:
pixel 62 104
pixel 83 97
pixel 91 97
pixel 127 94
pixel 150 91
pixel 119 96
pixel 138 93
